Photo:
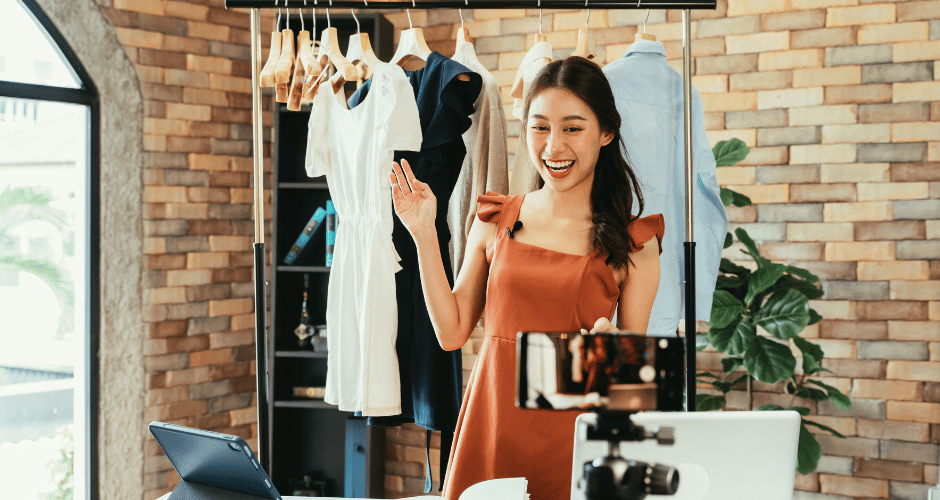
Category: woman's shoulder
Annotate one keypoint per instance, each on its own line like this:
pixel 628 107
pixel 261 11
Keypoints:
pixel 491 205
pixel 643 229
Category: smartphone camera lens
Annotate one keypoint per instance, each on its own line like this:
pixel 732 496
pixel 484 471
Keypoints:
pixel 234 447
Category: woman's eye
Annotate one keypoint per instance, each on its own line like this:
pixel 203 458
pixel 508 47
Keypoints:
pixel 573 129
pixel 539 127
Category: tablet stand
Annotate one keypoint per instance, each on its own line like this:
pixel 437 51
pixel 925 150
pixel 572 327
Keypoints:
pixel 188 490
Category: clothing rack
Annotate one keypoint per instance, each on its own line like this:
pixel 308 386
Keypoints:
pixel 263 343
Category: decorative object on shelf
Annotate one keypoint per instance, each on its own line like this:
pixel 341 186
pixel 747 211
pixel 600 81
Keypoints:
pixel 319 340
pixel 312 484
pixel 312 225
pixel 330 232
pixel 310 392
pixel 774 297
pixel 305 330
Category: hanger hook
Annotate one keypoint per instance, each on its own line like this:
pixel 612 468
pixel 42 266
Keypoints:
pixel 540 17
pixel 355 19
pixel 646 20
pixel 588 20
pixel 329 24
pixel 287 19
pixel 278 25
pixel 301 11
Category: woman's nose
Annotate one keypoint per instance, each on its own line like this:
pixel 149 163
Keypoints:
pixel 555 144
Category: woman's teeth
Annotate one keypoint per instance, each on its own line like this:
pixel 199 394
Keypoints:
pixel 558 165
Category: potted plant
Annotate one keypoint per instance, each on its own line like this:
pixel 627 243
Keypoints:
pixel 757 315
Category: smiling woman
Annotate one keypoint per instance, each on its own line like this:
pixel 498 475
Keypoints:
pixel 579 256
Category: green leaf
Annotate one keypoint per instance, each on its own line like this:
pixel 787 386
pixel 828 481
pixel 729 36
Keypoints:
pixel 720 338
pixel 824 427
pixel 738 380
pixel 769 361
pixel 729 267
pixel 784 316
pixel 730 152
pixel 801 410
pixel 740 200
pixel 728 240
pixel 725 309
pixel 769 407
pixel 727 197
pixel 812 355
pixel 729 283
pixel 806 288
pixel 706 375
pixel 813 394
pixel 742 337
pixel 802 273
pixel 709 402
pixel 808 451
pixel 841 401
pixel 745 238
pixel 814 317
pixel 731 363
pixel 762 279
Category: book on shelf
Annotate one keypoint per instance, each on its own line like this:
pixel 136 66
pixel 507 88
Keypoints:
pixel 509 488
pixel 297 249
pixel 310 392
pixel 330 232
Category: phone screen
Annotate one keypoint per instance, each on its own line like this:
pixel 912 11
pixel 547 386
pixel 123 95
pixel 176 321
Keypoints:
pixel 613 371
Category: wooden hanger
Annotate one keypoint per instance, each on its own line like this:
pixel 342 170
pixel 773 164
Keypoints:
pixel 360 53
pixel 329 50
pixel 585 46
pixel 285 65
pixel 411 44
pixel 312 67
pixel 267 72
pixel 645 35
pixel 300 70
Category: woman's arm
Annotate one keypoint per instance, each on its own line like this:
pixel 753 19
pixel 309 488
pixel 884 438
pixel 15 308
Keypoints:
pixel 639 289
pixel 453 313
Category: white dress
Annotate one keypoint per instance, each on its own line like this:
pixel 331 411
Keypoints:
pixel 354 149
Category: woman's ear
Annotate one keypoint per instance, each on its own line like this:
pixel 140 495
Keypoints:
pixel 606 137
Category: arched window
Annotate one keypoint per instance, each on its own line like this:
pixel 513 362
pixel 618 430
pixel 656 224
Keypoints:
pixel 49 156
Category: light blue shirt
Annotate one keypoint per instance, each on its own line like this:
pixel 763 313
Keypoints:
pixel 649 96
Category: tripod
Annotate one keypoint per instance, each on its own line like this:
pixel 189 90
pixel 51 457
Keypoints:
pixel 612 477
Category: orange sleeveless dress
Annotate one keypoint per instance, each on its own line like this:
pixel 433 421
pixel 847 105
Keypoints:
pixel 529 289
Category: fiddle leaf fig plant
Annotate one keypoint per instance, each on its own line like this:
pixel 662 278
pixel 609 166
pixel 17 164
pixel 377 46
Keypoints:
pixel 757 313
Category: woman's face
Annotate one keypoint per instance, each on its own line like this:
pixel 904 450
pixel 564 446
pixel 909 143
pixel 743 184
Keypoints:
pixel 564 139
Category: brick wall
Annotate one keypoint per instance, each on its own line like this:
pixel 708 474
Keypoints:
pixel 838 100
pixel 192 60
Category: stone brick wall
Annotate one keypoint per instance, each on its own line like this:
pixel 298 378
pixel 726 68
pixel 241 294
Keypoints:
pixel 838 100
pixel 192 61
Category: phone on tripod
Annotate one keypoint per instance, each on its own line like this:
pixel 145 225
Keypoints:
pixel 608 372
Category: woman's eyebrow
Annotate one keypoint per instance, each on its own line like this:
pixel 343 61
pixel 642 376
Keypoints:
pixel 567 118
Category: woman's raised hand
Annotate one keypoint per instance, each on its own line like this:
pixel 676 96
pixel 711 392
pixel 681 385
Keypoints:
pixel 415 204
pixel 601 325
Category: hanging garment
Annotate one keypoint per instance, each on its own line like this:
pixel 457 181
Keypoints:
pixel 431 378
pixel 353 148
pixel 524 177
pixel 649 95
pixel 529 289
pixel 485 168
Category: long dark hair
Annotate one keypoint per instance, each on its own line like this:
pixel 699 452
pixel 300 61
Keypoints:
pixel 615 187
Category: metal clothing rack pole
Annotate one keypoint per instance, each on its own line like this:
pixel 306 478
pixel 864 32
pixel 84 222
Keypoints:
pixel 262 342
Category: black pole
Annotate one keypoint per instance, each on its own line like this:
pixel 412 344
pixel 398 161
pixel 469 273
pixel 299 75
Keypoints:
pixel 690 333
pixel 485 4
pixel 261 360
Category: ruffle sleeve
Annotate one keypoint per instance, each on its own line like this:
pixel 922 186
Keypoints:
pixel 644 228
pixel 490 205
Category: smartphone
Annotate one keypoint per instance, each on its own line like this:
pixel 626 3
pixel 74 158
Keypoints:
pixel 619 371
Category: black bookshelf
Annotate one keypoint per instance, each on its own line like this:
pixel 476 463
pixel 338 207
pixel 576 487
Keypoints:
pixel 309 435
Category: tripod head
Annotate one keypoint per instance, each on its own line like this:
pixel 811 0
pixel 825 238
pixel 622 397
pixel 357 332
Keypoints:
pixel 613 477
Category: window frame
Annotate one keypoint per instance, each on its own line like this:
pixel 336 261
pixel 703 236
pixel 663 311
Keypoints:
pixel 86 95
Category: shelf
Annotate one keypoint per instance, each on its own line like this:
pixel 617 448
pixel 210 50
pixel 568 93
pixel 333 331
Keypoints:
pixel 302 403
pixel 302 185
pixel 300 354
pixel 304 269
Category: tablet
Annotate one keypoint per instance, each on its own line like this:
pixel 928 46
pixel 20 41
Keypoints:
pixel 213 459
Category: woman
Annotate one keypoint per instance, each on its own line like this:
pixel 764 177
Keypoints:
pixel 577 256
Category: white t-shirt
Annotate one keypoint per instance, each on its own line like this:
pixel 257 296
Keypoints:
pixel 354 149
